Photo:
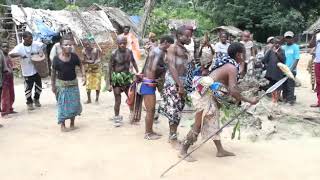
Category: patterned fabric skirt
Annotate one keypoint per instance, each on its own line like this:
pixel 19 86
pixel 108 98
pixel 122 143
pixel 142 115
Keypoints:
pixel 68 100
pixel 94 74
pixel 173 104
pixel 189 77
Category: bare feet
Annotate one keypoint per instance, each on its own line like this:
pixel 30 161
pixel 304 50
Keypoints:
pixel 315 105
pixel 175 144
pixel 135 123
pixel 188 158
pixel 13 112
pixel 224 153
pixel 30 107
pixel 88 102
pixel 158 134
pixel 152 136
pixel 72 128
pixel 64 129
pixel 3 114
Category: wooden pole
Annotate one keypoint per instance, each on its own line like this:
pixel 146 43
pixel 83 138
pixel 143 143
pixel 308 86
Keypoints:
pixel 26 17
pixel 148 7
pixel 3 5
pixel 17 35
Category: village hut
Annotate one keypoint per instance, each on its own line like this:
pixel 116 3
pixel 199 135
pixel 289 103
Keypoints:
pixel 46 24
pixel 231 30
pixel 173 24
pixel 118 18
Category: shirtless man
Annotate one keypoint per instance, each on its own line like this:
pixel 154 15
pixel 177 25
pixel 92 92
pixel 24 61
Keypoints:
pixel 121 78
pixel 174 91
pixel 154 69
pixel 91 58
pixel 226 73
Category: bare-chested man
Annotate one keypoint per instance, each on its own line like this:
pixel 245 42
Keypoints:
pixel 154 69
pixel 91 59
pixel 121 78
pixel 175 86
pixel 222 81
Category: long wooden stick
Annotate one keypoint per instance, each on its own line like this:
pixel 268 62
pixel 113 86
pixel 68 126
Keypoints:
pixel 270 90
pixel 203 142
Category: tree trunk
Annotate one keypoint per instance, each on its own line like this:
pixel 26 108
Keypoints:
pixel 148 7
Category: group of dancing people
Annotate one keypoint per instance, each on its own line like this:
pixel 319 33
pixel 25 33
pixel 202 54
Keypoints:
pixel 169 67
pixel 176 74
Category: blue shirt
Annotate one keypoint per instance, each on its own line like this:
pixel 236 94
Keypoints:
pixel 317 59
pixel 292 53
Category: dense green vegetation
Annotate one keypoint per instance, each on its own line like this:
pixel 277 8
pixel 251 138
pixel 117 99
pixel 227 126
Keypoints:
pixel 263 17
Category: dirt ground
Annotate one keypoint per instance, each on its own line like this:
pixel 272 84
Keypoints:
pixel 33 148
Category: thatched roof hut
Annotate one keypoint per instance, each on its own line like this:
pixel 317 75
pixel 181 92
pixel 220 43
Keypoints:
pixel 118 18
pixel 175 23
pixel 313 27
pixel 81 23
pixel 229 29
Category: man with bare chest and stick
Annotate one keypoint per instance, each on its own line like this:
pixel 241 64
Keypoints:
pixel 121 78
pixel 92 61
pixel 175 86
pixel 154 69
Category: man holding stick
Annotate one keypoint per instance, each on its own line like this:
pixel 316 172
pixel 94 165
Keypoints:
pixel 210 89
